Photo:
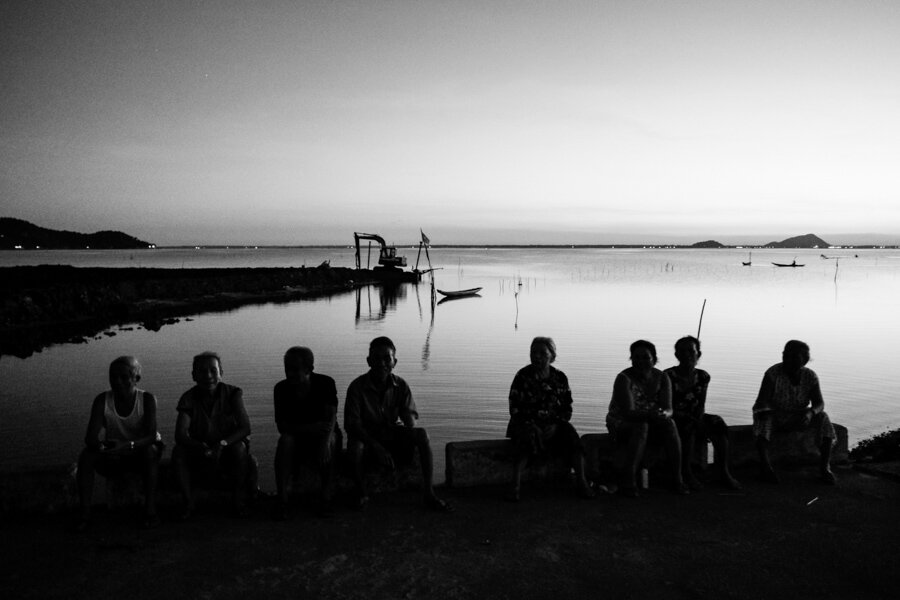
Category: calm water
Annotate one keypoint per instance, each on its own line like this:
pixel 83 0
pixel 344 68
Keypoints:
pixel 460 356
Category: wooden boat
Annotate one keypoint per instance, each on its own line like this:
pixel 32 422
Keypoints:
pixel 793 264
pixel 459 293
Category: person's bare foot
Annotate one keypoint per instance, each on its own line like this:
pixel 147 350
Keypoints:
pixel 767 474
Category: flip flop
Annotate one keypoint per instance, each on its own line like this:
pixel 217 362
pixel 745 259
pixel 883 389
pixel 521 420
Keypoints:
pixel 436 504
pixel 151 522
pixel 362 502
pixel 512 496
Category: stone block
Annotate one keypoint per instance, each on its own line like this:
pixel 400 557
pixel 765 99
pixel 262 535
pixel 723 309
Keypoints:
pixel 43 490
pixel 490 462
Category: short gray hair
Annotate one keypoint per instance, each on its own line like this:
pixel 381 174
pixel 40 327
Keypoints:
pixel 546 342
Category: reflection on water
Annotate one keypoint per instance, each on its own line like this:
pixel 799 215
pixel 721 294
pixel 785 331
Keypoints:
pixel 386 298
pixel 459 357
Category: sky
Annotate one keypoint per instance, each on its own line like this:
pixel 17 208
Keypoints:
pixel 484 122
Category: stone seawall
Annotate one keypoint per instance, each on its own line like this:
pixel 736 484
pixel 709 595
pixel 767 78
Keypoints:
pixel 49 304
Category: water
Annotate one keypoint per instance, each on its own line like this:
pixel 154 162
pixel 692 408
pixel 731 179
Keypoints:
pixel 460 356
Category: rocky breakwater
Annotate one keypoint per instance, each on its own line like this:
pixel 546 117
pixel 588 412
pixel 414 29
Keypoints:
pixel 49 304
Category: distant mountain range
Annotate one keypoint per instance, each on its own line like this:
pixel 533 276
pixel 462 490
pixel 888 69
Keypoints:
pixel 19 234
pixel 810 240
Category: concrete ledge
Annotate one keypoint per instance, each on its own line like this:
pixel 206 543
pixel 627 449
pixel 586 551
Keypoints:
pixel 45 490
pixel 490 462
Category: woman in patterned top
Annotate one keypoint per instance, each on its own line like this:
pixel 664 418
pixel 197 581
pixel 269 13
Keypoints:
pixel 641 411
pixel 790 399
pixel 540 407
pixel 689 385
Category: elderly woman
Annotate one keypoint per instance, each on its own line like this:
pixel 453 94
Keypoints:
pixel 641 410
pixel 689 385
pixel 540 408
pixel 790 399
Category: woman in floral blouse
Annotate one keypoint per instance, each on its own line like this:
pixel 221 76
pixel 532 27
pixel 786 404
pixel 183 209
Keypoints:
pixel 540 408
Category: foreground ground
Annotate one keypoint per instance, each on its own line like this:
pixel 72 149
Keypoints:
pixel 799 540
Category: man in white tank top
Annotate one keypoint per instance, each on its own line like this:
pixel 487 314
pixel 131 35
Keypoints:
pixel 121 436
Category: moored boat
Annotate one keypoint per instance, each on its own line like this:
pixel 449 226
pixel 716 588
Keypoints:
pixel 792 264
pixel 459 293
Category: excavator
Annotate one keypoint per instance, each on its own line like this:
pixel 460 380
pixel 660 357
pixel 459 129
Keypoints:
pixel 387 256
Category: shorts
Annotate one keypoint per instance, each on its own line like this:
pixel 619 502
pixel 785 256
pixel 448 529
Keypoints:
pixel 109 465
pixel 399 441
pixel 709 425
pixel 210 466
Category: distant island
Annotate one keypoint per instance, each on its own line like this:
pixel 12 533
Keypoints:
pixel 16 234
pixel 809 240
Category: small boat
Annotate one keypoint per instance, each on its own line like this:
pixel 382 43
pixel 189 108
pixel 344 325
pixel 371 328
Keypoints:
pixel 459 293
pixel 749 260
pixel 792 264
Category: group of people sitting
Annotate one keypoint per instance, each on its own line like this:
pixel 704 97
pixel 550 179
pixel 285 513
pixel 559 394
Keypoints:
pixel 665 408
pixel 212 430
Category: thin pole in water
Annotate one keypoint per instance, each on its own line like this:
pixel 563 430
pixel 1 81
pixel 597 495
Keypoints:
pixel 700 324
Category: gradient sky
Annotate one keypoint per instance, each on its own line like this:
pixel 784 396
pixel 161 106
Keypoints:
pixel 187 122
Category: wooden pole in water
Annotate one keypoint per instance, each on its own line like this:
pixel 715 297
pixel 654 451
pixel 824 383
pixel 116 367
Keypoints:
pixel 700 324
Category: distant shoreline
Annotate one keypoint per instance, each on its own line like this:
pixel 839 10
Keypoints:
pixel 50 304
pixel 476 246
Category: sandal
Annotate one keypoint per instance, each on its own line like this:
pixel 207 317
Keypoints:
pixel 281 512
pixel 82 525
pixel 630 492
pixel 436 504
pixel 151 522
pixel 585 492
pixel 768 475
pixel 362 502
pixel 512 495
pixel 681 489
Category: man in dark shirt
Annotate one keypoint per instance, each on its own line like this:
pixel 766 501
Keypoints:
pixel 380 419
pixel 305 414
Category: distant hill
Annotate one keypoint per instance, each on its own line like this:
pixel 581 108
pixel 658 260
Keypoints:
pixel 809 240
pixel 16 233
pixel 708 244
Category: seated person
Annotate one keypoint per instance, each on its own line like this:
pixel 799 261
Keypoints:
pixel 125 418
pixel 790 399
pixel 305 414
pixel 380 421
pixel 641 408
pixel 689 385
pixel 540 408
pixel 212 434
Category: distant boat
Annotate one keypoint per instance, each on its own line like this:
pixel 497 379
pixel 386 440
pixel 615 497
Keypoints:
pixel 749 261
pixel 792 264
pixel 459 293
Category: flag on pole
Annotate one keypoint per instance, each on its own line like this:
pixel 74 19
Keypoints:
pixel 425 239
